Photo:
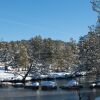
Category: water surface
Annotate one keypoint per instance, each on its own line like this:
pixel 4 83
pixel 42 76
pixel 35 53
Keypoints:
pixel 28 94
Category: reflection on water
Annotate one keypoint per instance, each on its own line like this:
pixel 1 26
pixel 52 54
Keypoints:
pixel 25 94
pixel 28 94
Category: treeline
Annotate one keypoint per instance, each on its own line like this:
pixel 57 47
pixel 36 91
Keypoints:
pixel 56 55
pixel 61 56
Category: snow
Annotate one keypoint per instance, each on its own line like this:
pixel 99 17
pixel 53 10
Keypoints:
pixel 72 83
pixel 93 84
pixel 48 83
pixel 43 76
pixel 81 73
pixel 18 83
pixel 10 68
pixel 20 77
pixel 57 74
pixel 35 84
pixel 32 84
pixel 28 78
pixel 6 76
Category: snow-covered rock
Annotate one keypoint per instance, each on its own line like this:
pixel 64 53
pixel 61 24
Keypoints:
pixel 34 85
pixel 28 78
pixel 72 83
pixel 48 83
pixel 95 85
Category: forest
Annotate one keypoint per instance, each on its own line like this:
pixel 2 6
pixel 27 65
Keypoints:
pixel 55 55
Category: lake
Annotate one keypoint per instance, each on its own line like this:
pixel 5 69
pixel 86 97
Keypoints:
pixel 28 94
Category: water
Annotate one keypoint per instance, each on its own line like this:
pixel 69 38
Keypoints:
pixel 28 94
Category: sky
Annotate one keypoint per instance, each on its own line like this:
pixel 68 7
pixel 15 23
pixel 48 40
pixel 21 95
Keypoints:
pixel 56 19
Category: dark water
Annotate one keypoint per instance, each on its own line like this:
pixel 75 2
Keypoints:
pixel 28 94
pixel 23 94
